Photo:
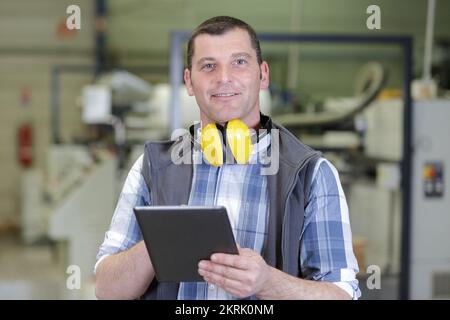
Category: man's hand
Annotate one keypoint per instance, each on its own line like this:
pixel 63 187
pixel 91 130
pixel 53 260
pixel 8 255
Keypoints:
pixel 241 275
pixel 248 274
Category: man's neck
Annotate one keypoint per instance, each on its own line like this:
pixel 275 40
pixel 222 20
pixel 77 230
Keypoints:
pixel 252 121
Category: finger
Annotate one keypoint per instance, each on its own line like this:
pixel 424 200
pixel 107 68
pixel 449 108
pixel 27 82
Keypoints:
pixel 224 283
pixel 236 293
pixel 233 287
pixel 231 260
pixel 223 270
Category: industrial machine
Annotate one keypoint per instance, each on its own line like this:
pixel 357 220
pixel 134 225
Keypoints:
pixel 375 206
pixel 430 201
pixel 58 206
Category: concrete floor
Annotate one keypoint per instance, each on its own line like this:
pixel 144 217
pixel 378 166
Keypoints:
pixel 35 272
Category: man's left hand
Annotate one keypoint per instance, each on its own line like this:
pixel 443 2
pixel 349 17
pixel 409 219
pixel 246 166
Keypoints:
pixel 241 275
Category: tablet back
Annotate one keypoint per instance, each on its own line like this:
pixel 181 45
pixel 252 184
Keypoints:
pixel 178 237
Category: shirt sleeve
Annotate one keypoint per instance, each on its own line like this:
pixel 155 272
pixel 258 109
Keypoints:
pixel 124 231
pixel 326 242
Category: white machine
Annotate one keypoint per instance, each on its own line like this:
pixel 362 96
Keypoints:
pixel 430 201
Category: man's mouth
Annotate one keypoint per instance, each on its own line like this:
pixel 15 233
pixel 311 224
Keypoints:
pixel 225 94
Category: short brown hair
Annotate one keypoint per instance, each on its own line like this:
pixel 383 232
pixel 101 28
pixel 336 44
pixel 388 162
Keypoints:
pixel 218 26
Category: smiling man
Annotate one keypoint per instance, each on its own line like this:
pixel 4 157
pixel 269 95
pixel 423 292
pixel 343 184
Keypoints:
pixel 292 227
pixel 225 74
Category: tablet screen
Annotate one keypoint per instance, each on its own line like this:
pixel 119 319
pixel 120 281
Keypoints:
pixel 178 237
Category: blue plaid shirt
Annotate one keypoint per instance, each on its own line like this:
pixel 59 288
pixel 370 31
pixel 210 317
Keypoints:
pixel 326 244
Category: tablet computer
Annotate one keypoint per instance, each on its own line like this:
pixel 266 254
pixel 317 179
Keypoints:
pixel 178 237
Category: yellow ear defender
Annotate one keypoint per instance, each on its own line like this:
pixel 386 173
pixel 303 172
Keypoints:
pixel 238 141
pixel 211 142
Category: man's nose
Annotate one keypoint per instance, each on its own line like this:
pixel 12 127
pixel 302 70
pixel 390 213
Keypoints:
pixel 224 75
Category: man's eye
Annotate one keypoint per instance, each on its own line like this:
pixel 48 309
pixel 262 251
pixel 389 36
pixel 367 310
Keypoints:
pixel 208 66
pixel 241 61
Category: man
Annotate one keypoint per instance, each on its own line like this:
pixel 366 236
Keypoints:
pixel 292 227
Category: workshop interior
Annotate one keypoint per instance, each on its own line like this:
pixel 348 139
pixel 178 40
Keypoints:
pixel 84 84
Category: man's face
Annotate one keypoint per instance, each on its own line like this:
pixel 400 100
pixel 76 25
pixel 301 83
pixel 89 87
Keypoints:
pixel 226 77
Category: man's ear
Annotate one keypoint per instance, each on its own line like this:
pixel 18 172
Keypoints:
pixel 264 67
pixel 188 82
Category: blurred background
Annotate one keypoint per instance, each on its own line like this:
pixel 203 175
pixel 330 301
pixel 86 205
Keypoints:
pixel 76 106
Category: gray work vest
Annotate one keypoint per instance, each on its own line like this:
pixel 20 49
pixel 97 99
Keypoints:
pixel 288 190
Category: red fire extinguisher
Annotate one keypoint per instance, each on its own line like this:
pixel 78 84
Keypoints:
pixel 25 142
